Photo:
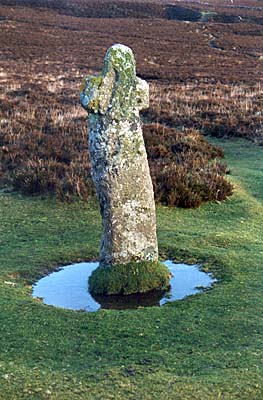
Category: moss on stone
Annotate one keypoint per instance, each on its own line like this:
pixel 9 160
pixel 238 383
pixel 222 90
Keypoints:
pixel 119 164
pixel 134 277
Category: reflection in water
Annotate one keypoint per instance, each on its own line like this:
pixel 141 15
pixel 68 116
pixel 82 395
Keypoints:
pixel 68 288
pixel 118 302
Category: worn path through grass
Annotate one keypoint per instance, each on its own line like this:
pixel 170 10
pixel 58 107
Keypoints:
pixel 208 346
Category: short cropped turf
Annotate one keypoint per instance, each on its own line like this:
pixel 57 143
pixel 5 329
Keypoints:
pixel 208 346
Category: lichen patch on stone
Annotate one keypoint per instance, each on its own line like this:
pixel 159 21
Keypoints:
pixel 120 168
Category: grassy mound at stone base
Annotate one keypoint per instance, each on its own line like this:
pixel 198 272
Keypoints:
pixel 134 277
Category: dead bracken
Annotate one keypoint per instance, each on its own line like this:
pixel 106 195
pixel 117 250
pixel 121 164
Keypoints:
pixel 43 144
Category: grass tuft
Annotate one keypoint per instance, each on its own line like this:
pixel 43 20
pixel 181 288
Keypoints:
pixel 133 277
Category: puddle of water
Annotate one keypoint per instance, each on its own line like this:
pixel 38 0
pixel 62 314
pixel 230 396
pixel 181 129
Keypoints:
pixel 68 288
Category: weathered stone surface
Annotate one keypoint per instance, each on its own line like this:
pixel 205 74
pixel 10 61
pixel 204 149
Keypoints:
pixel 120 168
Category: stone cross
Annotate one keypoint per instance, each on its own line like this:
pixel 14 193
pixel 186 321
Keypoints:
pixel 119 165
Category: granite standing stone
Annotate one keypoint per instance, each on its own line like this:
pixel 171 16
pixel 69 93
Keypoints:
pixel 120 169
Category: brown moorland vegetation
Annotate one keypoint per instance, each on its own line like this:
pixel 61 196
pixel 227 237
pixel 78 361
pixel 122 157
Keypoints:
pixel 203 76
pixel 193 10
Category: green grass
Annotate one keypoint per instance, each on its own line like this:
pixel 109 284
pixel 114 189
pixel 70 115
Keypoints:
pixel 130 278
pixel 208 346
